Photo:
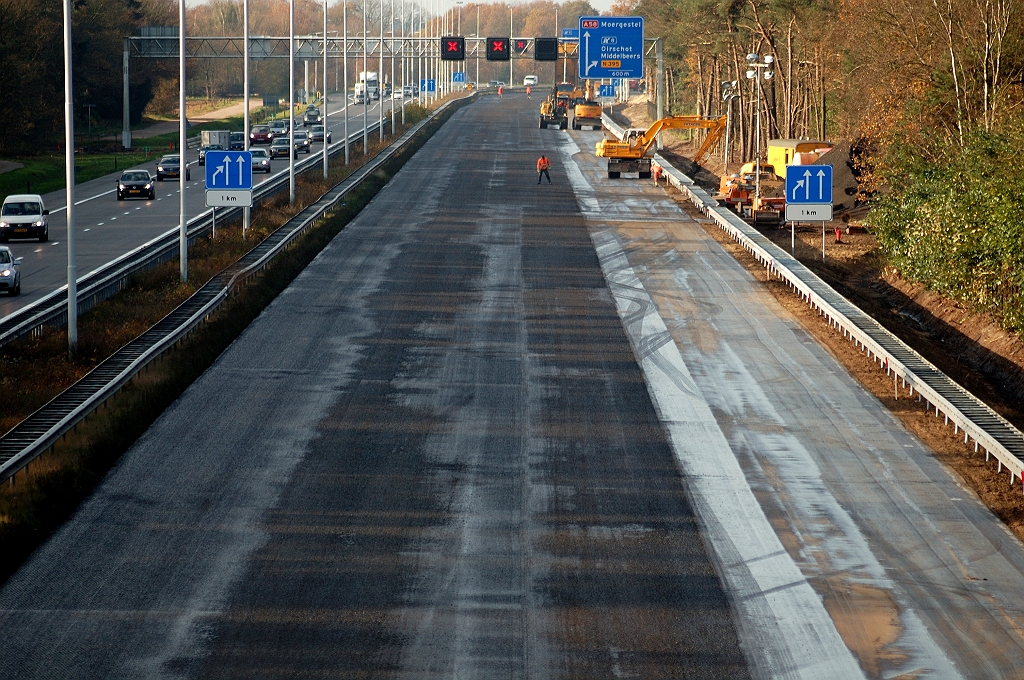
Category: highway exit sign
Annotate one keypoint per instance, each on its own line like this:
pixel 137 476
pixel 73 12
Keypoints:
pixel 611 47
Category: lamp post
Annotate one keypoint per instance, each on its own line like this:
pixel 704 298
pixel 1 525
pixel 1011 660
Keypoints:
pixel 730 91
pixel 757 64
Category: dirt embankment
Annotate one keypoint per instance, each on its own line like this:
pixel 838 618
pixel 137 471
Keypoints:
pixel 971 348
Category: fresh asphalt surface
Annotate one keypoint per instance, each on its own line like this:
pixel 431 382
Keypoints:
pixel 108 228
pixel 499 430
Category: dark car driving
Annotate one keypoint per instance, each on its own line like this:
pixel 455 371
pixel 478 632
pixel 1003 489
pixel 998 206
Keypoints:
pixel 135 184
pixel 170 166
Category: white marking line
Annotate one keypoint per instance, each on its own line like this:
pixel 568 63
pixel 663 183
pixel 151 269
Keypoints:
pixel 87 230
pixel 783 625
pixel 100 224
pixel 84 200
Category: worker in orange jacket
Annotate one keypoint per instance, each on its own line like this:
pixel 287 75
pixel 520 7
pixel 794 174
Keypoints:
pixel 542 169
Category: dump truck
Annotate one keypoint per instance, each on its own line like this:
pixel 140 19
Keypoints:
pixel 634 152
pixel 586 111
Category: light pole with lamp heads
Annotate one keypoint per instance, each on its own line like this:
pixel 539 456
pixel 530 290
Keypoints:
pixel 756 63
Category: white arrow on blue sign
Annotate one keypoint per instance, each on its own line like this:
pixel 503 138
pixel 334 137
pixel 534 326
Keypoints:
pixel 611 47
pixel 607 91
pixel 808 184
pixel 459 77
pixel 228 170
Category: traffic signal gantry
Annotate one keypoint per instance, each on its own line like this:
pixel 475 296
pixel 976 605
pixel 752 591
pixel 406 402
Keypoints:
pixel 453 48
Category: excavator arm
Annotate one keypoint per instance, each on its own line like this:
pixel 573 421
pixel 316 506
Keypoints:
pixel 639 146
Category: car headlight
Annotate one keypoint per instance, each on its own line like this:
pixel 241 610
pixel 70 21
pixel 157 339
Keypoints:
pixel 159 168
pixel 39 223
pixel 5 273
pixel 121 187
pixel 4 225
pixel 148 186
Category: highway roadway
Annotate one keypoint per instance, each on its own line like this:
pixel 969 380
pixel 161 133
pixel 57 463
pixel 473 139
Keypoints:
pixel 108 228
pixel 501 430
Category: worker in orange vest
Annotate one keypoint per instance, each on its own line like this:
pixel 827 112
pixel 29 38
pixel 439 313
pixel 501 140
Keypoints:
pixel 528 92
pixel 656 173
pixel 501 90
pixel 542 169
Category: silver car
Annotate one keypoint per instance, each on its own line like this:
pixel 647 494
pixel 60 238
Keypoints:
pixel 260 160
pixel 318 134
pixel 10 276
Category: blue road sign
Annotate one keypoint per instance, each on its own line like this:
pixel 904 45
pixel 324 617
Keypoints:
pixel 570 35
pixel 607 91
pixel 459 77
pixel 808 184
pixel 228 170
pixel 611 47
pixel 428 85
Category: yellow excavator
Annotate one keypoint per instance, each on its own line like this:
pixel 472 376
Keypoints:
pixel 634 152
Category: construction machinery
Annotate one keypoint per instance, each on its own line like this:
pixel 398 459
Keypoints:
pixel 555 109
pixel 634 152
pixel 586 111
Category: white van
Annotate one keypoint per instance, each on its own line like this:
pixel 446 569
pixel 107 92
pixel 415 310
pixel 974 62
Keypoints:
pixel 530 80
pixel 24 216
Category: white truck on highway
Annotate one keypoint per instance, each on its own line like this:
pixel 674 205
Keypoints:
pixel 368 87
pixel 221 137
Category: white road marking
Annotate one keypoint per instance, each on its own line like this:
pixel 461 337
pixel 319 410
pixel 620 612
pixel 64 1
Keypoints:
pixel 84 200
pixel 86 230
pixel 38 250
pixel 101 224
pixel 54 243
pixel 782 623
pixel 126 213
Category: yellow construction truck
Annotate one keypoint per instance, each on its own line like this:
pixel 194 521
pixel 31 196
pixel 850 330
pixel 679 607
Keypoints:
pixel 586 110
pixel 634 152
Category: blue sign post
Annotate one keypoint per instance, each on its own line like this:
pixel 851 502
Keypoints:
pixel 428 85
pixel 570 35
pixel 809 198
pixel 607 91
pixel 611 47
pixel 808 184
pixel 228 178
pixel 459 77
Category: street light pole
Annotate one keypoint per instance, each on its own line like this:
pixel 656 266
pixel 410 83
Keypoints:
pixel 325 111
pixel 246 212
pixel 69 178
pixel 291 101
pixel 729 92
pixel 344 60
pixel 764 64
pixel 182 147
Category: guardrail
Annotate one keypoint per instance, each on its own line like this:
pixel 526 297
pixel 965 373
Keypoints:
pixel 101 283
pixel 990 431
pixel 38 432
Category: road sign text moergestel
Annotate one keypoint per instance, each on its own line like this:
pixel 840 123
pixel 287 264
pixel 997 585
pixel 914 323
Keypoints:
pixel 611 47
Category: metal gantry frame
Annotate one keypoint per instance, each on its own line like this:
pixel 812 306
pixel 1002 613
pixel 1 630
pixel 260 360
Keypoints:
pixel 312 47
pixel 309 47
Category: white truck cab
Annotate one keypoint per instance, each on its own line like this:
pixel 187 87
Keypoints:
pixel 24 216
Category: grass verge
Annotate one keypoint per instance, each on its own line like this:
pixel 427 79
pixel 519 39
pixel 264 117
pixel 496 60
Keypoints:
pixel 42 497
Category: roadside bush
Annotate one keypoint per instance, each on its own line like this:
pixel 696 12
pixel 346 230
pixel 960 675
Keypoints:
pixel 954 220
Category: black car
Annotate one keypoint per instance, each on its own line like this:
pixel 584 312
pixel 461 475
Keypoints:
pixel 135 184
pixel 170 166
pixel 208 147
pixel 312 117
pixel 237 141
